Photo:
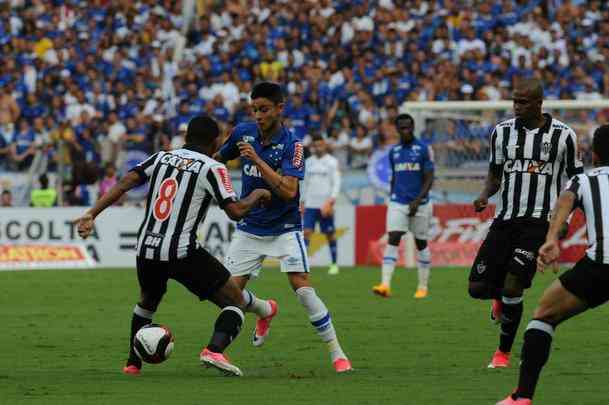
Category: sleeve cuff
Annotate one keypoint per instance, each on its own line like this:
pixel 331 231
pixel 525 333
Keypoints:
pixel 227 201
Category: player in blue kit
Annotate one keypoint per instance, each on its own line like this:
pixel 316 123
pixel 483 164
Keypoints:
pixel 272 158
pixel 412 172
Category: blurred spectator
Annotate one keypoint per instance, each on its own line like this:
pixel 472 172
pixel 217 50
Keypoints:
pixel 109 179
pixel 360 147
pixel 23 147
pixel 9 110
pixel 180 138
pixel 6 198
pixel 104 77
pixel 44 196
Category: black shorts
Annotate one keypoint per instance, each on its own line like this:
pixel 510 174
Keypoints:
pixel 510 247
pixel 201 273
pixel 588 281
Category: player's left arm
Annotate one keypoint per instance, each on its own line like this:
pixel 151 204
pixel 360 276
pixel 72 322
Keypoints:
pixel 327 209
pixel 285 185
pixel 135 177
pixel 574 165
pixel 428 174
pixel 85 223
pixel 550 250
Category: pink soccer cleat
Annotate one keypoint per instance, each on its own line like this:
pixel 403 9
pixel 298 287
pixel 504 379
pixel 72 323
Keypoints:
pixel 500 360
pixel 131 369
pixel 220 362
pixel 496 311
pixel 342 365
pixel 263 325
pixel 511 401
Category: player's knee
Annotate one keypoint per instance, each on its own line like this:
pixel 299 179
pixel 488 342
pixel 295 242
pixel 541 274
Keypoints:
pixel 298 280
pixel 394 238
pixel 478 290
pixel 547 314
pixel 421 244
pixel 513 287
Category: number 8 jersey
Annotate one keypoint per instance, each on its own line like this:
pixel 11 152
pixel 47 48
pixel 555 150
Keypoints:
pixel 183 183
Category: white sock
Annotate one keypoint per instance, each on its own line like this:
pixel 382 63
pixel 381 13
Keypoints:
pixel 389 260
pixel 423 267
pixel 262 308
pixel 321 320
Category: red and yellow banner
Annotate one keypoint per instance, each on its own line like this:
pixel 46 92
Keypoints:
pixel 28 256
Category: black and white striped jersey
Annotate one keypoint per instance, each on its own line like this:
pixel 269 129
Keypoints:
pixel 182 184
pixel 533 165
pixel 592 191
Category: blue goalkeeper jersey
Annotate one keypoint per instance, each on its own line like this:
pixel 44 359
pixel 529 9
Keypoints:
pixel 285 154
pixel 408 162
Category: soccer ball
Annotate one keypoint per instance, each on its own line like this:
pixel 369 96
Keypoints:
pixel 153 343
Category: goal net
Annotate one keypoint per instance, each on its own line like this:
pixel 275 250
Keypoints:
pixel 459 133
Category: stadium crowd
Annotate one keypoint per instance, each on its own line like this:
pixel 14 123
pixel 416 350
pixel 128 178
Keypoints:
pixel 88 82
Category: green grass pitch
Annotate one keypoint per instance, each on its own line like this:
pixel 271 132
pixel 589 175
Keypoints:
pixel 64 341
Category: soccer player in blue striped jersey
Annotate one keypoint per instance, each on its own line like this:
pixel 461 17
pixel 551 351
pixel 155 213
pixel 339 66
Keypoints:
pixel 272 158
pixel 409 210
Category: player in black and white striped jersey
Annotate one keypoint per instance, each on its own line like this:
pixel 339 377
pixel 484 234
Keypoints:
pixel 183 184
pixel 530 157
pixel 584 286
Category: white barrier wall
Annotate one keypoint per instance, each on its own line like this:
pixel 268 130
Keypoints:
pixel 112 244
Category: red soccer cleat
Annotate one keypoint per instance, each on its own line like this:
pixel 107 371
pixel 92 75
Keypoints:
pixel 342 365
pixel 220 362
pixel 511 401
pixel 263 325
pixel 131 369
pixel 500 360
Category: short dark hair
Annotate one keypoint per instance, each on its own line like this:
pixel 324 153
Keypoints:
pixel 44 180
pixel 403 116
pixel 268 90
pixel 600 144
pixel 202 130
pixel 317 137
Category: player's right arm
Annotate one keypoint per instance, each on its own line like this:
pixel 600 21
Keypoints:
pixel 229 149
pixel 492 183
pixel 219 185
pixel 240 208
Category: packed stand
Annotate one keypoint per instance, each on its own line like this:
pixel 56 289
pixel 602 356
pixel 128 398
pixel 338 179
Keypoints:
pixel 89 86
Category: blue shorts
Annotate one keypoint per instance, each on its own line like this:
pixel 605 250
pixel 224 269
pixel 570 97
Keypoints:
pixel 312 216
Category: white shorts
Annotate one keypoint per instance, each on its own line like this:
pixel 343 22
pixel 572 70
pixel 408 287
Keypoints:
pixel 247 252
pixel 399 221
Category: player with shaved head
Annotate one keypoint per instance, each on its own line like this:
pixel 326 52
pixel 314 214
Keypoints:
pixel 530 156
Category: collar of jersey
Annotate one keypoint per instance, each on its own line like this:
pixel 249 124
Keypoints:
pixel 275 139
pixel 193 148
pixel 545 128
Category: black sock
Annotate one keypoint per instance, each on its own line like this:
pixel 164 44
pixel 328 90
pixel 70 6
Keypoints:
pixel 510 320
pixel 226 329
pixel 535 353
pixel 141 317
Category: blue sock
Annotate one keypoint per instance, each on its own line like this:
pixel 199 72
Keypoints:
pixel 332 244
